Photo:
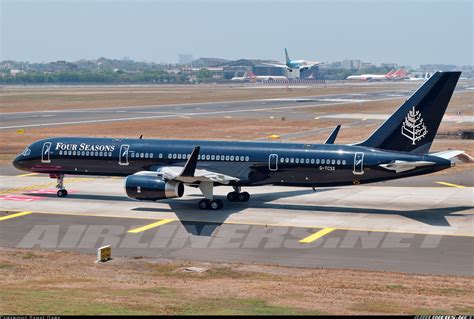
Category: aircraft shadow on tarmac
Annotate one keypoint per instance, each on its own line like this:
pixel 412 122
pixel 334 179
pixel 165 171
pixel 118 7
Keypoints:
pixel 203 222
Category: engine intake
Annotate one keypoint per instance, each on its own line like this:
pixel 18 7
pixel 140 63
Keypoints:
pixel 152 188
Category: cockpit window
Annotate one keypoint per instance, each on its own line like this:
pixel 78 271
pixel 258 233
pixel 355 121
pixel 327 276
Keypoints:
pixel 26 152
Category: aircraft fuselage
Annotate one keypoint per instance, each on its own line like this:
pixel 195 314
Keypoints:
pixel 253 163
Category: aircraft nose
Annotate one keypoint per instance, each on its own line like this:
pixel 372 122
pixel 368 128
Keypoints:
pixel 17 162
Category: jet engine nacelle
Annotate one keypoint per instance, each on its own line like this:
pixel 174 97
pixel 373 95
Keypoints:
pixel 145 187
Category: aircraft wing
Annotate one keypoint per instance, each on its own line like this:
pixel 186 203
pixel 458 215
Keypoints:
pixel 276 65
pixel 188 173
pixel 200 175
pixel 312 63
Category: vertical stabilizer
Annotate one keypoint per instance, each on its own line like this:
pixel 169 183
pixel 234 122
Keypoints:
pixel 412 128
pixel 287 56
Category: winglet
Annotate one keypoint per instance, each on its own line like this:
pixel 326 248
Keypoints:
pixel 190 167
pixel 333 135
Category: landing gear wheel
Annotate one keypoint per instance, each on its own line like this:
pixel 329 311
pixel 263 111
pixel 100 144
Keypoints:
pixel 232 196
pixel 62 193
pixel 244 197
pixel 204 204
pixel 216 204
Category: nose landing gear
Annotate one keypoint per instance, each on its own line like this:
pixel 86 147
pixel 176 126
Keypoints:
pixel 62 192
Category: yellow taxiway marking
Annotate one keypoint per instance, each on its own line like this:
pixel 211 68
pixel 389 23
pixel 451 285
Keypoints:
pixel 317 235
pixel 149 226
pixel 15 215
pixel 449 184
pixel 408 231
pixel 29 174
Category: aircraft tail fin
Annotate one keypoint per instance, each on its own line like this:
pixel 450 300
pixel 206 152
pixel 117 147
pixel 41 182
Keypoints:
pixel 287 56
pixel 400 73
pixel 390 73
pixel 250 74
pixel 413 126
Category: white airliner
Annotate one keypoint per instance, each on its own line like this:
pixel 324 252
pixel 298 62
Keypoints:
pixel 291 65
pixel 249 76
pixel 425 77
pixel 392 75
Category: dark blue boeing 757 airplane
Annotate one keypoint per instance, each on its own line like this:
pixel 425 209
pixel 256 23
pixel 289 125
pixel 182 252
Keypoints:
pixel 159 169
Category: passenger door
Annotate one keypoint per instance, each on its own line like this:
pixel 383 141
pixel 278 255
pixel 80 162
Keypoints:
pixel 273 162
pixel 358 163
pixel 123 155
pixel 46 153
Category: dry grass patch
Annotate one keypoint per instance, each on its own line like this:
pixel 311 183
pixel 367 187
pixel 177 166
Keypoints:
pixel 74 284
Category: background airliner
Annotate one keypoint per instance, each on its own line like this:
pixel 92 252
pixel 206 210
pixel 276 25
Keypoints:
pixel 160 169
pixel 392 75
pixel 291 65
pixel 249 76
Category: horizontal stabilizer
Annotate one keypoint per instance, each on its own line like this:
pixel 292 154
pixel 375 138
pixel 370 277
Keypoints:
pixel 332 138
pixel 454 156
pixel 402 166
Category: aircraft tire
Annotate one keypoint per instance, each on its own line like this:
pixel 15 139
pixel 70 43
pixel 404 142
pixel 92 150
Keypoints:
pixel 232 196
pixel 61 193
pixel 244 197
pixel 216 204
pixel 204 204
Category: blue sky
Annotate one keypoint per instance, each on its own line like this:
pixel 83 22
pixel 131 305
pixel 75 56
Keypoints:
pixel 405 32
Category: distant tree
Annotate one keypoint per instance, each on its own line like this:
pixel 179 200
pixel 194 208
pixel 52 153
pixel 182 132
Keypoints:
pixel 203 75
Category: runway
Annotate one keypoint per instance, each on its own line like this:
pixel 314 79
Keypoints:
pixel 427 229
pixel 261 108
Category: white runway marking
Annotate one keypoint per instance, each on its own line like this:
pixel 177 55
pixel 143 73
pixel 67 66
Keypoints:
pixel 446 118
pixel 183 114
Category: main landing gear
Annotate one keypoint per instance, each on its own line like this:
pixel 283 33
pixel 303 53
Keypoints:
pixel 62 192
pixel 210 203
pixel 237 196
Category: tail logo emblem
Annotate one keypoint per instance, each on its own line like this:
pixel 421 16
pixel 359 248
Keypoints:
pixel 414 127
